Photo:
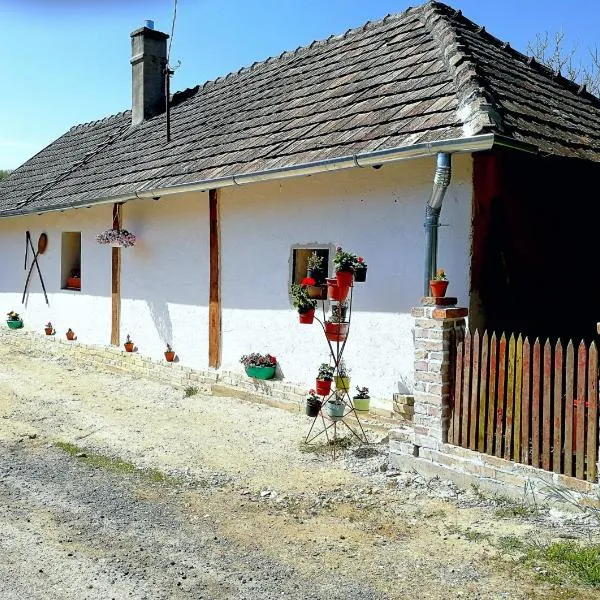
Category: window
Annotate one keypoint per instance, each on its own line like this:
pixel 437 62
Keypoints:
pixel 70 272
pixel 300 261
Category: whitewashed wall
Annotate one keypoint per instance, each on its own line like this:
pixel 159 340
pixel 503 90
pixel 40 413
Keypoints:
pixel 378 214
pixel 164 278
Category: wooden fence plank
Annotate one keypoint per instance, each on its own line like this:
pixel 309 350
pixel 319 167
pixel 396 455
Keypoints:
pixel 558 408
pixel 569 392
pixel 535 404
pixel 526 404
pixel 580 411
pixel 464 434
pixel 500 407
pixel 474 409
pixel 456 413
pixel 547 410
pixel 510 396
pixel 483 398
pixel 491 409
pixel 518 396
pixel 592 415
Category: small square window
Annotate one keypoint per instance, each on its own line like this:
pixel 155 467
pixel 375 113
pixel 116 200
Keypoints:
pixel 300 258
pixel 70 271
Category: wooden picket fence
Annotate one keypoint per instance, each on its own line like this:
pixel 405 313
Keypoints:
pixel 531 403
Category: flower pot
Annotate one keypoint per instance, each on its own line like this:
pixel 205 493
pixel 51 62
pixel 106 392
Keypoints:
pixel 316 274
pixel 74 283
pixel 361 403
pixel 315 291
pixel 335 411
pixel 70 335
pixel 128 346
pixel 15 324
pixel 335 292
pixel 170 356
pixel 342 383
pixel 313 408
pixel 360 274
pixel 260 372
pixel 438 288
pixel 345 278
pixel 336 332
pixel 308 317
pixel 49 330
pixel 323 387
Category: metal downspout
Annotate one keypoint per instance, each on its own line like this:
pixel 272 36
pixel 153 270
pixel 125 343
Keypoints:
pixel 433 208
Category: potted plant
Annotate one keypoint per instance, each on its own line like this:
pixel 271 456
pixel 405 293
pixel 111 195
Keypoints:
pixel 324 379
pixel 339 312
pixel 336 329
pixel 259 366
pixel 304 304
pixel 439 284
pixel 14 320
pixel 128 344
pixel 74 280
pixel 361 399
pixel 312 289
pixel 118 238
pixel 315 268
pixel 313 404
pixel 335 407
pixel 344 267
pixel 342 378
pixel 169 353
pixel 70 334
pixel 49 328
pixel 335 292
pixel 360 270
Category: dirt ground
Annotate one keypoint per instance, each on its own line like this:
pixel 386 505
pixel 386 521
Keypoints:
pixel 117 487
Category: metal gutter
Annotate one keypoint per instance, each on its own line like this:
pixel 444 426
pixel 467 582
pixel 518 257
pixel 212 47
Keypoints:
pixel 476 143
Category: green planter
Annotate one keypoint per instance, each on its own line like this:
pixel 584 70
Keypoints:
pixel 361 403
pixel 260 372
pixel 15 324
pixel 342 383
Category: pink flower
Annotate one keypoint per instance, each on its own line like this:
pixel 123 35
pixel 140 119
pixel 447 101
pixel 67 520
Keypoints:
pixel 360 259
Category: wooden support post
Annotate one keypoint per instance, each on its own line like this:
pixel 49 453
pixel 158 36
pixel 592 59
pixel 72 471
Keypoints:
pixel 214 307
pixel 116 282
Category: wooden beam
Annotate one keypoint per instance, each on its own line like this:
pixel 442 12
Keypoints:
pixel 116 282
pixel 214 305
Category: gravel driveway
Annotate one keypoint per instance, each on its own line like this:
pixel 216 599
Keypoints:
pixel 116 487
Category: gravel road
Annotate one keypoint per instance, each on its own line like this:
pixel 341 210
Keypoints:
pixel 113 486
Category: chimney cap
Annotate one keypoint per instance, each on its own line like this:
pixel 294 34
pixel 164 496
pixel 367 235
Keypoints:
pixel 149 24
pixel 150 33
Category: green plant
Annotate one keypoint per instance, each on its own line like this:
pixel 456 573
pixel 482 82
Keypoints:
pixel 362 393
pixel 315 262
pixel 343 260
pixel 258 360
pixel 128 340
pixel 313 398
pixel 336 398
pixel 338 312
pixel 440 275
pixel 301 299
pixel 13 316
pixel 325 372
pixel 169 348
pixel 189 391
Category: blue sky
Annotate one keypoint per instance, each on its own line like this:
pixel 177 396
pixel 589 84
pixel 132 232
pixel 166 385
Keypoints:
pixel 67 62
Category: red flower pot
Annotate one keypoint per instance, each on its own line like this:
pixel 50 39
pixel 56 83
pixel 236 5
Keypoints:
pixel 128 346
pixel 438 288
pixel 323 387
pixel 308 317
pixel 345 278
pixel 336 292
pixel 170 356
pixel 70 335
pixel 336 332
pixel 49 330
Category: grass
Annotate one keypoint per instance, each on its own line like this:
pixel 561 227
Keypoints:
pixel 190 390
pixel 468 533
pixel 510 543
pixel 325 447
pixel 118 465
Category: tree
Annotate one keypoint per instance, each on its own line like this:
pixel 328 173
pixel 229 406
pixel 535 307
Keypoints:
pixel 550 50
pixel 4 174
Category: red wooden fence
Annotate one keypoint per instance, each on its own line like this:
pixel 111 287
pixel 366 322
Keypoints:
pixel 533 404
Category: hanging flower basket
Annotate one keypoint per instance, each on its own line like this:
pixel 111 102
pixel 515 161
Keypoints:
pixel 118 238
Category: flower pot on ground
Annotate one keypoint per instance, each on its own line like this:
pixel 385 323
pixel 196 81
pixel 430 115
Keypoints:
pixel 14 320
pixel 360 270
pixel 313 404
pixel 129 345
pixel 70 334
pixel 169 354
pixel 302 301
pixel 361 399
pixel 74 283
pixel 439 284
pixel 336 332
pixel 335 409
pixel 324 379
pixel 49 328
pixel 259 366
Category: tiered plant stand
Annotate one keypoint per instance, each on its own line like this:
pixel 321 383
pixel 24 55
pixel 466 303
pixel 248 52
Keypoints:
pixel 329 425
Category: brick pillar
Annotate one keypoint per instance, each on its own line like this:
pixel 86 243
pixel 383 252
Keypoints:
pixel 437 321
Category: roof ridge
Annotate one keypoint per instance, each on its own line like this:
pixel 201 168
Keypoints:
pixel 477 108
pixel 99 121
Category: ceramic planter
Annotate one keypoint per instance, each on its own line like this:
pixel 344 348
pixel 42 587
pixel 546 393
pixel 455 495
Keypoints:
pixel 170 356
pixel 128 346
pixel 315 291
pixel 361 403
pixel 49 330
pixel 15 324
pixel 308 317
pixel 344 278
pixel 342 383
pixel 360 274
pixel 323 387
pixel 335 411
pixel 70 335
pixel 260 372
pixel 335 292
pixel 336 332
pixel 313 408
pixel 438 288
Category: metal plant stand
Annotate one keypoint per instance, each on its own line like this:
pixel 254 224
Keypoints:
pixel 329 425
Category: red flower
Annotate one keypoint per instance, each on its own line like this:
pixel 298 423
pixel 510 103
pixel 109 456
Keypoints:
pixel 272 359
pixel 308 281
pixel 360 259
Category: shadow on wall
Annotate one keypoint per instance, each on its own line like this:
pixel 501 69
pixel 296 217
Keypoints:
pixel 161 319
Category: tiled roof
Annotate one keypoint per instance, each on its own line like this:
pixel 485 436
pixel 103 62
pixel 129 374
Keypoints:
pixel 424 75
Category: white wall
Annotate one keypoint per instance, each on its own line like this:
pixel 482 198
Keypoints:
pixel 164 279
pixel 378 214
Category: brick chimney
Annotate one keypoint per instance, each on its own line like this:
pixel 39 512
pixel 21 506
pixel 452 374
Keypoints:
pixel 148 63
